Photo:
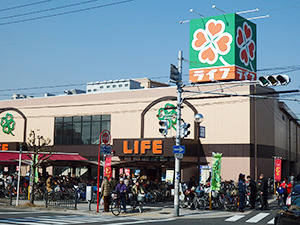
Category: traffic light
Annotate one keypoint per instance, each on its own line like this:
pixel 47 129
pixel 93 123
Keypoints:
pixel 163 129
pixel 274 80
pixel 184 132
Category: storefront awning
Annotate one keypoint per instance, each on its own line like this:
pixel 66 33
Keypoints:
pixel 12 157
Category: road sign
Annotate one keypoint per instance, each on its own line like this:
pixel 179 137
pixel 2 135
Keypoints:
pixel 105 149
pixel 202 132
pixel 105 137
pixel 179 149
pixel 178 155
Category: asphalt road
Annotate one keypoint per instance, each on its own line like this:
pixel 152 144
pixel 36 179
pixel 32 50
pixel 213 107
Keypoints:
pixel 30 216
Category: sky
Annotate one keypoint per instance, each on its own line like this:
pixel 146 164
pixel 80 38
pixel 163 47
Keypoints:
pixel 97 40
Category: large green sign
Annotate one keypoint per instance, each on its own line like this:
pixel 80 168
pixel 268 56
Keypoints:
pixel 222 48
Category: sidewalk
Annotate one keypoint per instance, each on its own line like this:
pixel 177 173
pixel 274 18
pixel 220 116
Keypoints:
pixel 151 211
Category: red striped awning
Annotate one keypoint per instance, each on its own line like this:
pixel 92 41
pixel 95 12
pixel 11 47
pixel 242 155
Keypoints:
pixel 11 157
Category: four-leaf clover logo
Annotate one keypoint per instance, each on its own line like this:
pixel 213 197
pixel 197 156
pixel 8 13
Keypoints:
pixel 246 44
pixel 8 124
pixel 168 114
pixel 212 42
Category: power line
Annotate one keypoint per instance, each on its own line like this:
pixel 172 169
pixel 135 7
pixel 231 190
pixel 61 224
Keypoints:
pixel 23 6
pixel 66 13
pixel 47 10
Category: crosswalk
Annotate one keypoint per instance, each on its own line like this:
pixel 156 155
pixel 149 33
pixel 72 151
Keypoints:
pixel 253 219
pixel 71 219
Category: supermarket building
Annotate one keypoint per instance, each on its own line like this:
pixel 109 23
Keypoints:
pixel 249 132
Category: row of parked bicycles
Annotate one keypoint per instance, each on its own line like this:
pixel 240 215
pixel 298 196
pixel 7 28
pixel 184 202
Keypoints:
pixel 199 198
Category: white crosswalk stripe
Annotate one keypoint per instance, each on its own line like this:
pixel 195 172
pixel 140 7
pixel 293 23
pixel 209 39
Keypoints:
pixel 63 220
pixel 234 218
pixel 257 218
pixel 254 219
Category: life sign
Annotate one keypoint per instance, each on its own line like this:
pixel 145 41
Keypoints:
pixel 141 147
pixel 222 48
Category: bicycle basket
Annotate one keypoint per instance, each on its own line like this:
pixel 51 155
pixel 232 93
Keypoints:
pixel 114 195
pixel 141 198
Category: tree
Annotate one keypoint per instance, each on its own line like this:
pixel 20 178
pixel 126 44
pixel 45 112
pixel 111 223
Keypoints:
pixel 36 145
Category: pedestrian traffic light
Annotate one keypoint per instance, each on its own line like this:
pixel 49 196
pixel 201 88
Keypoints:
pixel 163 129
pixel 184 132
pixel 274 80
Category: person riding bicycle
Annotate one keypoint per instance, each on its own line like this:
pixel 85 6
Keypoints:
pixel 136 190
pixel 122 189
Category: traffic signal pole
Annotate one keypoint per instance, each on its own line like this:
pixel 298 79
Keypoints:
pixel 178 126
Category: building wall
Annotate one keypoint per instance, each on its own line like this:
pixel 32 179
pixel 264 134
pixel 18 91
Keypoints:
pixel 229 121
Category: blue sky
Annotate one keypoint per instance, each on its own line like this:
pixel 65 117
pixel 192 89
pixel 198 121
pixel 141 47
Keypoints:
pixel 130 40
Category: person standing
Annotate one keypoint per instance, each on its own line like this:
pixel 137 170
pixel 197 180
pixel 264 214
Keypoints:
pixel 287 185
pixel 263 192
pixel 242 192
pixel 253 192
pixel 106 191
pixel 122 189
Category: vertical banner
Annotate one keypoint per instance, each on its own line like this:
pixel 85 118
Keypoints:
pixel 107 167
pixel 216 172
pixel 127 172
pixel 277 170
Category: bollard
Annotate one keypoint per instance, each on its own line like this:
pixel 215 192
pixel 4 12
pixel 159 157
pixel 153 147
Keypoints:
pixel 76 199
pixel 11 191
pixel 46 198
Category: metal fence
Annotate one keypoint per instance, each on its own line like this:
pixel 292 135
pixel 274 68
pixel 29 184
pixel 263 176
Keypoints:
pixel 59 199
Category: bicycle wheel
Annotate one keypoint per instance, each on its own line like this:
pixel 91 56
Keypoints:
pixel 201 204
pixel 115 207
pixel 141 207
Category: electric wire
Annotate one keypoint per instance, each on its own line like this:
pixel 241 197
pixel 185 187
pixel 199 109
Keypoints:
pixel 23 6
pixel 66 13
pixel 47 10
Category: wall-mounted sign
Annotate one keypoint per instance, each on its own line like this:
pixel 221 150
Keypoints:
pixel 12 146
pixel 8 124
pixel 222 48
pixel 140 147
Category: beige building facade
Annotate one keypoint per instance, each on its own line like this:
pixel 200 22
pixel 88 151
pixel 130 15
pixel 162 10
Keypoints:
pixel 249 132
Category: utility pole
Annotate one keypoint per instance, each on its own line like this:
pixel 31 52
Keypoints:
pixel 177 160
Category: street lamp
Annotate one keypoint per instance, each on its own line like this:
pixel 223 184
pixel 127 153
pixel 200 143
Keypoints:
pixel 198 118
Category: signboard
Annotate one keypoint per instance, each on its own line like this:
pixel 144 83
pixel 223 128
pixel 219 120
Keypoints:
pixel 202 132
pixel 127 172
pixel 179 149
pixel 178 155
pixel 107 167
pixel 8 124
pixel 105 137
pixel 277 170
pixel 216 172
pixel 222 48
pixel 105 149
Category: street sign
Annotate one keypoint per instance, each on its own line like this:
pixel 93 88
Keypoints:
pixel 179 149
pixel 178 155
pixel 105 149
pixel 105 137
pixel 202 132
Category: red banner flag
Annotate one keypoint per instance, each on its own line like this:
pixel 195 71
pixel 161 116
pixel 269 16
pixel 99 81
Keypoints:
pixel 277 170
pixel 107 167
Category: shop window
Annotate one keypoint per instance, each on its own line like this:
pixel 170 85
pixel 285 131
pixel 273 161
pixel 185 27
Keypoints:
pixel 80 130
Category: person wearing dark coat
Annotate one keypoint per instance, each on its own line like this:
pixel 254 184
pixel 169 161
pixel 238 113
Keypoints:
pixel 263 192
pixel 253 192
pixel 242 192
